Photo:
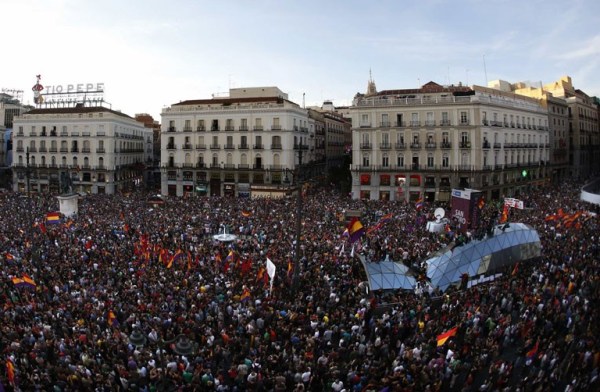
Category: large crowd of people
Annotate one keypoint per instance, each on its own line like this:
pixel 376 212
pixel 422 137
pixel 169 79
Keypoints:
pixel 106 299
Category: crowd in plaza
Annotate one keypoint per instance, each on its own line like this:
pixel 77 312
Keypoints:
pixel 124 267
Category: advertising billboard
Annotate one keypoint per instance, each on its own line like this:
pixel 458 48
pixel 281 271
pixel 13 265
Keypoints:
pixel 465 208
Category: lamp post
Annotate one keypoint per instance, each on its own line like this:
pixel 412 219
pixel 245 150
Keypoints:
pixel 27 171
pixel 298 218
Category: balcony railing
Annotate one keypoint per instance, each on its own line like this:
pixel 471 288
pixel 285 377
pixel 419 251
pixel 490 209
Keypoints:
pixel 187 129
pixel 171 146
pixel 243 166
pixel 243 146
pixel 64 149
pixel 172 129
pixel 497 146
pixel 200 165
pixel 229 128
pixel 430 123
pixel 43 149
pixel 258 146
pixel 200 128
pixel 187 146
pixel 258 127
pixel 215 146
pixel 415 146
pixel 276 146
pixel 54 149
pixel 384 124
pixel 200 146
pixel 229 147
pixel 243 128
pixel 465 144
pixel 486 145
pixel 430 146
pixel 85 150
pixel 445 123
pixel 275 127
pixel 74 149
pixel 446 145
pixel 400 124
pixel 415 123
pixel 366 146
pixel 400 146
pixel 385 146
pixel 365 125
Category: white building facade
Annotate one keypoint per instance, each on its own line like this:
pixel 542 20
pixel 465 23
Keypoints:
pixel 420 143
pixel 81 149
pixel 247 144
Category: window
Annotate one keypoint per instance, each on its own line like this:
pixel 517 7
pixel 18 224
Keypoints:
pixel 200 125
pixel 400 160
pixel 385 161
pixel 445 160
pixel 188 125
pixel 400 139
pixel 430 161
pixel 384 180
pixel 365 179
pixel 464 119
pixel 414 119
pixel 430 121
pixel 464 137
pixel 366 160
pixel 215 125
pixel 445 118
pixel 385 121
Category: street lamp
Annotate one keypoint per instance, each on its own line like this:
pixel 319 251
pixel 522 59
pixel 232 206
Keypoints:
pixel 298 180
pixel 27 171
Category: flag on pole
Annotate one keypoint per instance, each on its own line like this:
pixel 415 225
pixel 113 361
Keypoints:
pixel 531 353
pixel 419 203
pixel 355 229
pixel 271 273
pixel 53 218
pixel 10 372
pixel 270 268
pixel 442 338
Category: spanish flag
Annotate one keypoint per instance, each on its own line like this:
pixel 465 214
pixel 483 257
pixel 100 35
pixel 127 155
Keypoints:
pixel 441 339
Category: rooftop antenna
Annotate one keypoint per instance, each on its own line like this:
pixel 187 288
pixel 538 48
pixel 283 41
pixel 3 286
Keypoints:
pixel 485 71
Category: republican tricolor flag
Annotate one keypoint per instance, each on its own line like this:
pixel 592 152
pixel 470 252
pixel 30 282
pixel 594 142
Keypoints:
pixel 53 218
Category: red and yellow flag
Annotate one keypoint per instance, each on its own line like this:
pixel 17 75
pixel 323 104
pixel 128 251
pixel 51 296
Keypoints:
pixel 441 339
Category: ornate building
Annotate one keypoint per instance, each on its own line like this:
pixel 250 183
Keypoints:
pixel 91 149
pixel 247 144
pixel 410 144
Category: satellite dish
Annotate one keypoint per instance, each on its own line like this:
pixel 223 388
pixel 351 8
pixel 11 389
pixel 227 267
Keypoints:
pixel 439 213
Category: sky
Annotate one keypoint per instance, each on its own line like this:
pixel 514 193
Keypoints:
pixel 150 54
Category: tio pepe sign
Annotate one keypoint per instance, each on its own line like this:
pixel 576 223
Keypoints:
pixel 75 88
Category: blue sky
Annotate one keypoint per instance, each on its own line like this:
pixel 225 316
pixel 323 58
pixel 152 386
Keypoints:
pixel 150 54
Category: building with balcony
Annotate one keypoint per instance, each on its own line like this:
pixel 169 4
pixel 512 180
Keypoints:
pixel 584 128
pixel 248 143
pixel 558 124
pixel 153 145
pixel 92 148
pixel 409 144
pixel 332 141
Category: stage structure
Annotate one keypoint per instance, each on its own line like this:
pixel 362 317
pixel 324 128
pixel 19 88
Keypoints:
pixel 479 261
